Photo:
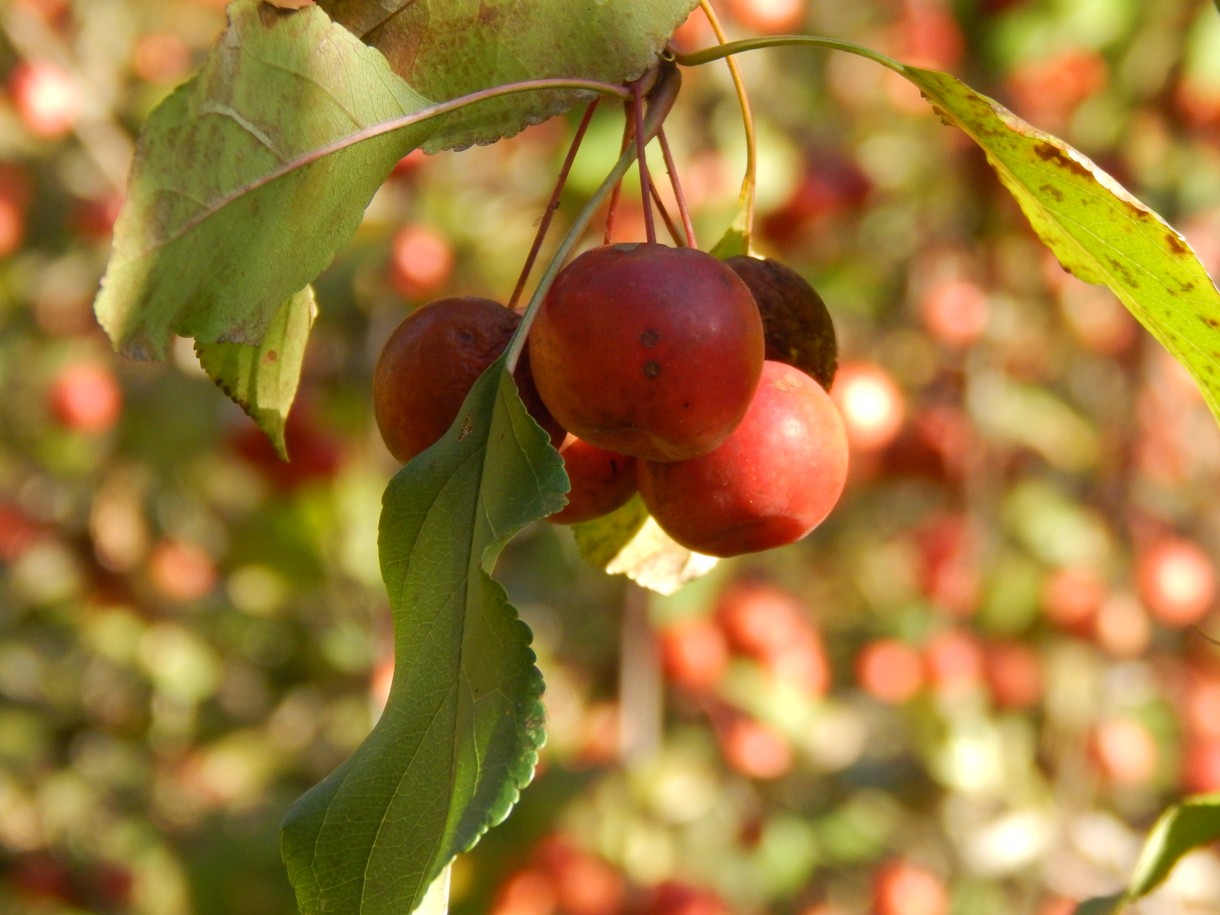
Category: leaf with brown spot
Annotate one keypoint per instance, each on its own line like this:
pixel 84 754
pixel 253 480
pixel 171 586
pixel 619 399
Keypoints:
pixel 262 379
pixel 1097 229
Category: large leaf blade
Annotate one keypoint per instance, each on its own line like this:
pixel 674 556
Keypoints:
pixel 238 197
pixel 1096 228
pixel 448 48
pixel 460 733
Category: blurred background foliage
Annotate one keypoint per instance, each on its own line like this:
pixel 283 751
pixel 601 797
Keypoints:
pixel 970 691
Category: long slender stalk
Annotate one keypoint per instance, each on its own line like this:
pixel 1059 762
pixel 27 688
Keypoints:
pixel 641 143
pixel 553 203
pixel 721 51
pixel 749 181
pixel 688 227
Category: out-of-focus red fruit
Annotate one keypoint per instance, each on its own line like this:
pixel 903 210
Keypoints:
pixel 409 164
pixel 754 748
pixel 890 670
pixel 954 662
pixel 769 17
pixel 421 261
pixel 161 57
pixel 1048 91
pixel 15 195
pixel 85 397
pixel 673 897
pixel 831 186
pixel 47 98
pixel 531 891
pixel 18 532
pixel 769 624
pixel 694 653
pixel 313 454
pixel 769 484
pixel 38 876
pixel 951 576
pixel 905 888
pixel 1200 702
pixel 871 404
pixel 1124 751
pixel 760 619
pixel 585 884
pixel 181 571
pixel 1059 905
pixel 601 481
pixel 1072 597
pixel 1177 581
pixel 1013 671
pixel 927 35
pixel 955 311
pixel 1201 766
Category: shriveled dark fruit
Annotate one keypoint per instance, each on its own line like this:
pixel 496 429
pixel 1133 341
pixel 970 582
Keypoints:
pixel 796 324
pixel 429 364
pixel 771 482
pixel 601 481
pixel 648 350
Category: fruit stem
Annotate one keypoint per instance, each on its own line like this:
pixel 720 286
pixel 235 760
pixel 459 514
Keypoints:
pixel 612 206
pixel 660 101
pixel 720 51
pixel 745 199
pixel 637 113
pixel 553 203
pixel 670 225
pixel 683 210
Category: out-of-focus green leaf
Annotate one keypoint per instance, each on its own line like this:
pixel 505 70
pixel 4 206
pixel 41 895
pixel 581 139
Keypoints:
pixel 629 542
pixel 235 200
pixel 1180 829
pixel 460 733
pixel 1095 227
pixel 448 48
pixel 1102 905
pixel 263 379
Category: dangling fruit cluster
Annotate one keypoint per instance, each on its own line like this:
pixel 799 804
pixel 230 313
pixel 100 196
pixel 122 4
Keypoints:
pixel 712 375
pixel 697 382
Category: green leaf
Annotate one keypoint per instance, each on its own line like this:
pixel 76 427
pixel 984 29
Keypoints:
pixel 734 242
pixel 263 379
pixel 234 201
pixel 447 48
pixel 1103 905
pixel 461 730
pixel 1094 226
pixel 629 542
pixel 1180 829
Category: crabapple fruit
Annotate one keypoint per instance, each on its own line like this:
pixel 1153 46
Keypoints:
pixel 648 350
pixel 431 361
pixel 771 482
pixel 796 325
pixel 601 481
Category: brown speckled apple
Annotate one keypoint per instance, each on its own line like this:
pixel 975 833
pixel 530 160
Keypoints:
pixel 648 350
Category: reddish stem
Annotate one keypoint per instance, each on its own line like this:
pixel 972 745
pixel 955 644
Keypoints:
pixel 553 204
pixel 683 210
pixel 637 111
pixel 612 204
pixel 670 225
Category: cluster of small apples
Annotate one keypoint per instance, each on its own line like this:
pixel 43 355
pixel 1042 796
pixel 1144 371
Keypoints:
pixel 700 383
